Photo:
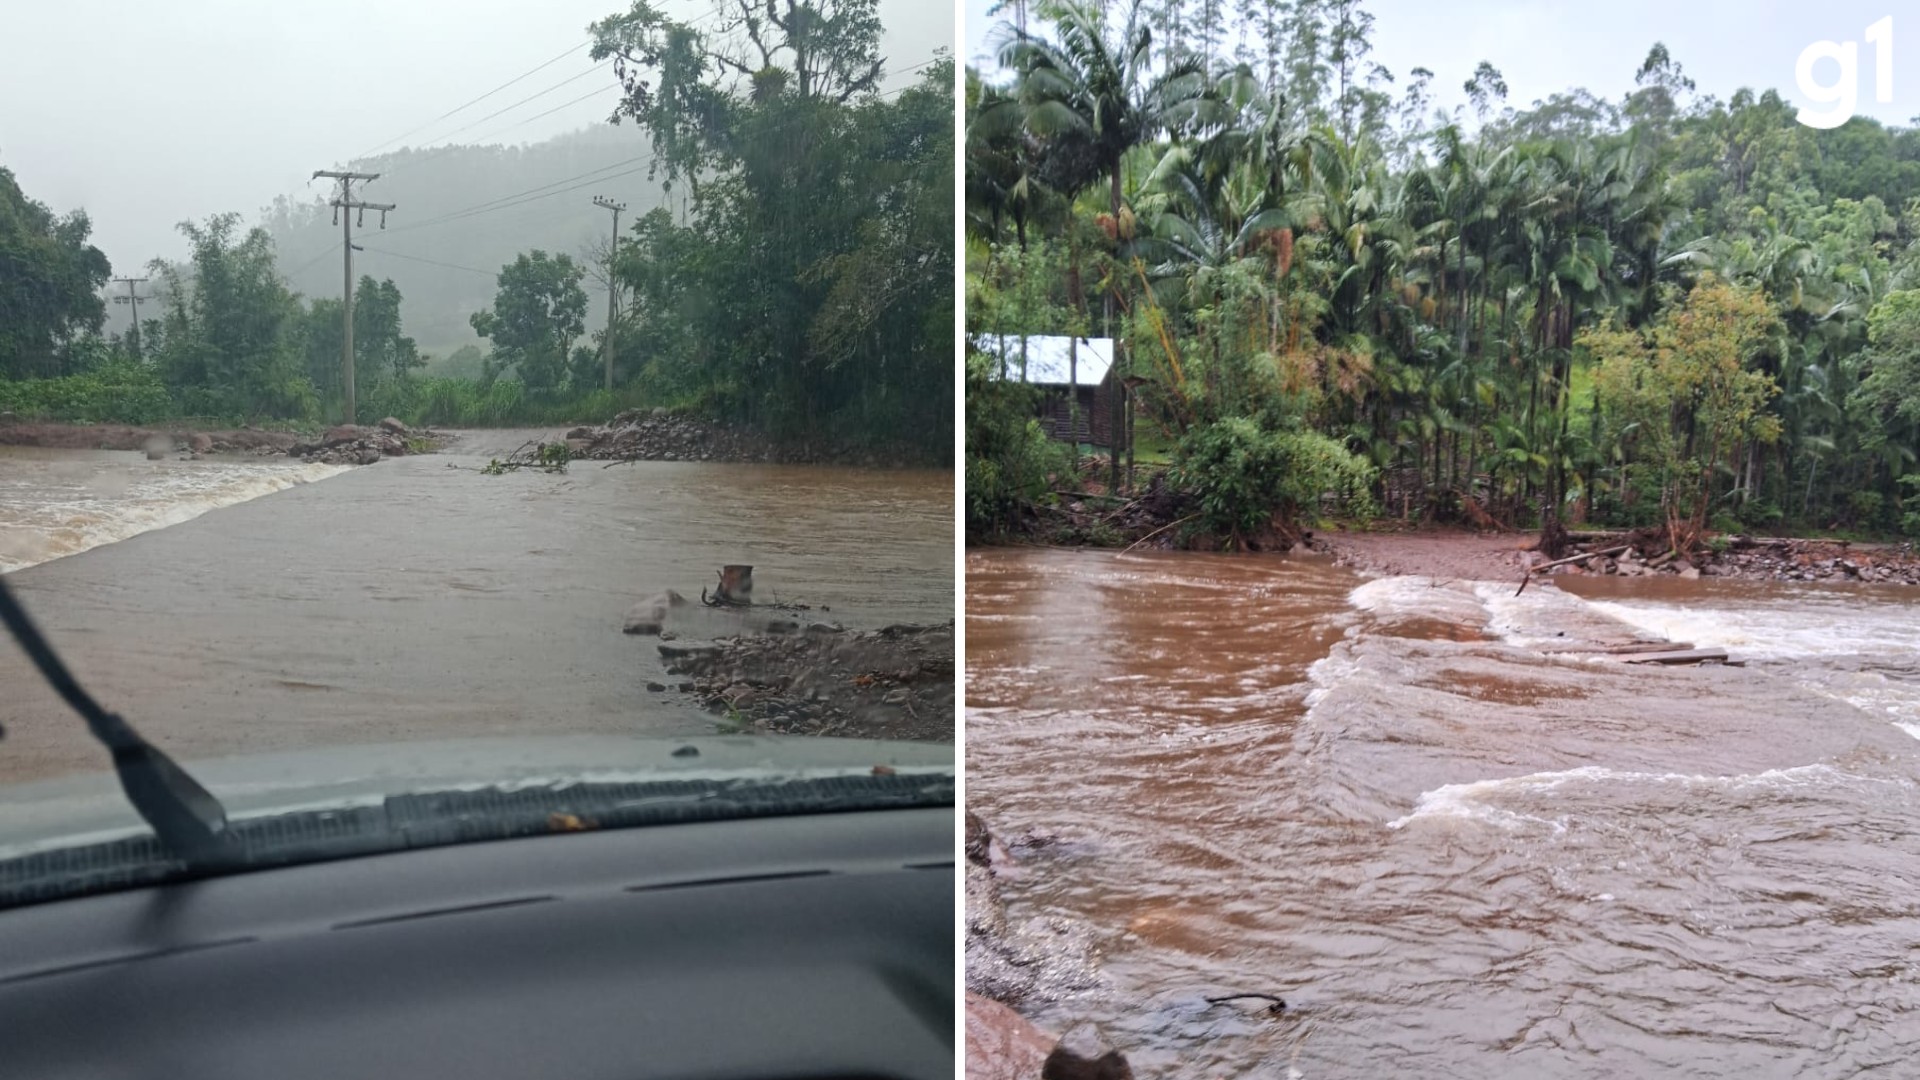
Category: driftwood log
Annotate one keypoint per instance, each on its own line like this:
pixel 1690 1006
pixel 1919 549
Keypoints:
pixel 1532 570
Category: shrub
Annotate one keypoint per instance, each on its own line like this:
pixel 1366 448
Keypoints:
pixel 1248 478
pixel 1009 458
pixel 123 392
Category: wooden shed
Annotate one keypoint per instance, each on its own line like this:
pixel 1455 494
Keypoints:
pixel 1074 377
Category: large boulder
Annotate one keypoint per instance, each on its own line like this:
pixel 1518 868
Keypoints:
pixel 649 616
pixel 1083 1054
pixel 200 442
pixel 340 436
pixel 1002 1044
pixel 393 425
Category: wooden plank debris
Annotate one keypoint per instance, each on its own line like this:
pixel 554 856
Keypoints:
pixel 1683 656
pixel 1622 650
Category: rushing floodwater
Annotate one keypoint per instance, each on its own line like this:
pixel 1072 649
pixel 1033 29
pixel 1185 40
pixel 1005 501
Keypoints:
pixel 1455 852
pixel 61 502
pixel 411 600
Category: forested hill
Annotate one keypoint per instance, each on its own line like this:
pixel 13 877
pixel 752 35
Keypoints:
pixel 472 207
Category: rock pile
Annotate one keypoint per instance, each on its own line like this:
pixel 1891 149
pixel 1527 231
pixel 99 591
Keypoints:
pixel 892 683
pixel 659 435
pixel 1756 557
pixel 352 445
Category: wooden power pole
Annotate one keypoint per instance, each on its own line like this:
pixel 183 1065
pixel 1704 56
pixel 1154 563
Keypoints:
pixel 133 301
pixel 612 287
pixel 345 201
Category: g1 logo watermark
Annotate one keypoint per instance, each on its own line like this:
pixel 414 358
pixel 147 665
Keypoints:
pixel 1843 94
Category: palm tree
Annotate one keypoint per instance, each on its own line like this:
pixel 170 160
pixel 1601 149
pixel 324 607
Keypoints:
pixel 1091 94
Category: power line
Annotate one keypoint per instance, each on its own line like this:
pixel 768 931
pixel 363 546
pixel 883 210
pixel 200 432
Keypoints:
pixel 514 199
pixel 534 194
pixel 543 65
pixel 481 139
pixel 543 93
pixel 429 262
pixel 569 51
pixel 694 22
pixel 303 266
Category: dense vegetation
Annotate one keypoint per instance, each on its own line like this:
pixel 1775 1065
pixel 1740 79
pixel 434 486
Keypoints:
pixel 804 285
pixel 812 289
pixel 1664 309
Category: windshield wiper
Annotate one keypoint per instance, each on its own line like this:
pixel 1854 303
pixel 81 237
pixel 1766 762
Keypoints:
pixel 187 820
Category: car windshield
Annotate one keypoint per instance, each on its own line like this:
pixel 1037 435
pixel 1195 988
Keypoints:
pixel 567 410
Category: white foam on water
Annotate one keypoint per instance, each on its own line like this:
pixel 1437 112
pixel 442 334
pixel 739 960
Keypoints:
pixel 1802 626
pixel 1807 626
pixel 53 508
pixel 1411 596
pixel 1476 800
pixel 1329 672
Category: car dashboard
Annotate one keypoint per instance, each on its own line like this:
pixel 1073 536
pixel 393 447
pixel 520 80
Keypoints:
pixel 772 948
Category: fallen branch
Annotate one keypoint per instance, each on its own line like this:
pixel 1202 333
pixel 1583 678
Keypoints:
pixel 1278 1003
pixel 547 457
pixel 1158 531
pixel 1532 570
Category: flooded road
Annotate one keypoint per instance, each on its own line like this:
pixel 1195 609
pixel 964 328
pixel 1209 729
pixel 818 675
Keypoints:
pixel 1453 850
pixel 414 600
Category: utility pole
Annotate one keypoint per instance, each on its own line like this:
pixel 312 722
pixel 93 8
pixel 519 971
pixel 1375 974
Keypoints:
pixel 345 201
pixel 616 207
pixel 133 301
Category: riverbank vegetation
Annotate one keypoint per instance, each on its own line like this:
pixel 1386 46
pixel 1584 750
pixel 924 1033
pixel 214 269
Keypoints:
pixel 803 288
pixel 1664 308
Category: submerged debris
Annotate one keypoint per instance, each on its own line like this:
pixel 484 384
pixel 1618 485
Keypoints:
pixel 892 683
pixel 350 444
pixel 1645 552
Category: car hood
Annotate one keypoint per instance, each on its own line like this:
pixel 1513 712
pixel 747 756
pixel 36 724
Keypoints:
pixel 91 808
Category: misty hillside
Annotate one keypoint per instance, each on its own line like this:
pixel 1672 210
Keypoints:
pixel 471 208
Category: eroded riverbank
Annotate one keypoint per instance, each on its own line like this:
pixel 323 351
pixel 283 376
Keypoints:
pixel 411 600
pixel 1452 848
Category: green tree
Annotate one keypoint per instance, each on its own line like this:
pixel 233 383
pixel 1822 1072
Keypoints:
pixel 230 343
pixel 1690 391
pixel 537 314
pixel 381 352
pixel 50 282
pixel 808 290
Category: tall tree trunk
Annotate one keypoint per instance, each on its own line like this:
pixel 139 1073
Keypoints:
pixel 1118 392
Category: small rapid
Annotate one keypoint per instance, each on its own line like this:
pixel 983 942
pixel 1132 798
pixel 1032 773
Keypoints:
pixel 55 503
pixel 1455 839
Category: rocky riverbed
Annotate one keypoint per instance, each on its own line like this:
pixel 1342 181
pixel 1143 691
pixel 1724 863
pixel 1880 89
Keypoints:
pixel 1757 558
pixel 244 440
pixel 1008 964
pixel 891 683
pixel 660 435
pixel 1460 554
pixel 349 444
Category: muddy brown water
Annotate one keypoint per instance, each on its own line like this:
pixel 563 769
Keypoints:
pixel 1453 853
pixel 411 600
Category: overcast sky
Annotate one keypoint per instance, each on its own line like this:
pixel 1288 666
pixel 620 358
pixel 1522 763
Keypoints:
pixel 148 113
pixel 1547 46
